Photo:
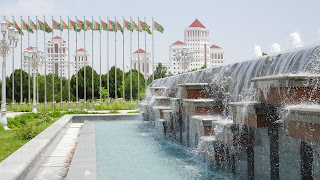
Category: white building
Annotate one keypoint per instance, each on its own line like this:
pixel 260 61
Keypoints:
pixel 80 58
pixel 56 53
pixel 25 64
pixel 145 62
pixel 194 52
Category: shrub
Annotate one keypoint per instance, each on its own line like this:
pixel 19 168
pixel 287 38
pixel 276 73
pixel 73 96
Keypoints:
pixel 56 114
pixel 12 123
pixel 27 132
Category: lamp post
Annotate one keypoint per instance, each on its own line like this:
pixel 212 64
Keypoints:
pixel 34 58
pixel 4 50
pixel 184 57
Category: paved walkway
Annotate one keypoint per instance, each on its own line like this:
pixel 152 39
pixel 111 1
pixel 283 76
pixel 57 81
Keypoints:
pixel 14 114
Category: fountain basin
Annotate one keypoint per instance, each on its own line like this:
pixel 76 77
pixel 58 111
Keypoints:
pixel 303 122
pixel 158 111
pixel 288 88
pixel 193 90
pixel 158 91
pixel 253 113
pixel 202 106
pixel 161 101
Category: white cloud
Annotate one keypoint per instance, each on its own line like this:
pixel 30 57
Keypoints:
pixel 257 51
pixel 296 40
pixel 275 48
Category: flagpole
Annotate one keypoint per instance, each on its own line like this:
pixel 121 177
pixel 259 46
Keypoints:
pixel 152 50
pixel 45 66
pixel 138 61
pixel 115 59
pixel 61 46
pixel 92 91
pixel 76 62
pixel 108 60
pixel 85 64
pixel 69 102
pixel 28 63
pixel 53 68
pixel 100 57
pixel 131 61
pixel 123 95
pixel 145 55
pixel 21 94
pixel 37 67
pixel 14 23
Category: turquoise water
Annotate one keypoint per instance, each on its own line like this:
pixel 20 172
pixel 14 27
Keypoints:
pixel 130 150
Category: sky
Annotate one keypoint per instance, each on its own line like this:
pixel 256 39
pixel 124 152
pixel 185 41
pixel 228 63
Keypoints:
pixel 241 28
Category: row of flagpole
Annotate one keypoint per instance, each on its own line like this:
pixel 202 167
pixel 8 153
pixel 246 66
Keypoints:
pixel 111 26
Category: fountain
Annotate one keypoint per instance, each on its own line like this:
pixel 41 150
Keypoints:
pixel 257 119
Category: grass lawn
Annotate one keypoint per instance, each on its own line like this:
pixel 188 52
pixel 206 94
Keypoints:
pixel 9 143
pixel 25 127
pixel 28 125
pixel 113 105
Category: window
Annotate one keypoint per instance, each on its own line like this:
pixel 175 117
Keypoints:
pixel 64 50
pixel 56 48
pixel 221 56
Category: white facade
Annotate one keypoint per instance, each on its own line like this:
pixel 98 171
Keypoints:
pixel 57 56
pixel 145 62
pixel 25 65
pixel 80 59
pixel 195 51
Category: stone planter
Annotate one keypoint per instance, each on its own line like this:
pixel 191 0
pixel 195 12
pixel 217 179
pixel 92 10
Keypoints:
pixel 288 88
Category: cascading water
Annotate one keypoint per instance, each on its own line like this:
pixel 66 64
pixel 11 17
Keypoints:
pixel 233 83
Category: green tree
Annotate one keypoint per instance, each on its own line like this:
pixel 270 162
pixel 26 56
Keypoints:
pixel 88 83
pixel 134 84
pixel 160 71
pixel 204 66
pixel 112 82
pixel 264 54
pixel 17 86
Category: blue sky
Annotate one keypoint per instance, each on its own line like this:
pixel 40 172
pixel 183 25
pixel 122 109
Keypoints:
pixel 236 26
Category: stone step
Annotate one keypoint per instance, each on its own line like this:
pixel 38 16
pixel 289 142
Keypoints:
pixel 288 88
pixel 303 122
pixel 254 114
pixel 202 106
pixel 193 90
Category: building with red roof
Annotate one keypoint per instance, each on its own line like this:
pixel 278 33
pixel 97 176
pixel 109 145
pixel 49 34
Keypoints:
pixel 57 53
pixel 142 59
pixel 195 51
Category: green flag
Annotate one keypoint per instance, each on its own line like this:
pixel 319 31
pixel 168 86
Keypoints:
pixel 128 25
pixel 41 26
pixel 32 25
pixel 119 27
pixel 89 25
pixel 47 28
pixel 158 27
pixel 80 25
pixel 26 27
pixel 56 25
pixel 19 29
pixel 96 26
pixel 73 26
pixel 112 26
pixel 104 26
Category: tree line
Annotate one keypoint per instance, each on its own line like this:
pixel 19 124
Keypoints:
pixel 160 72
